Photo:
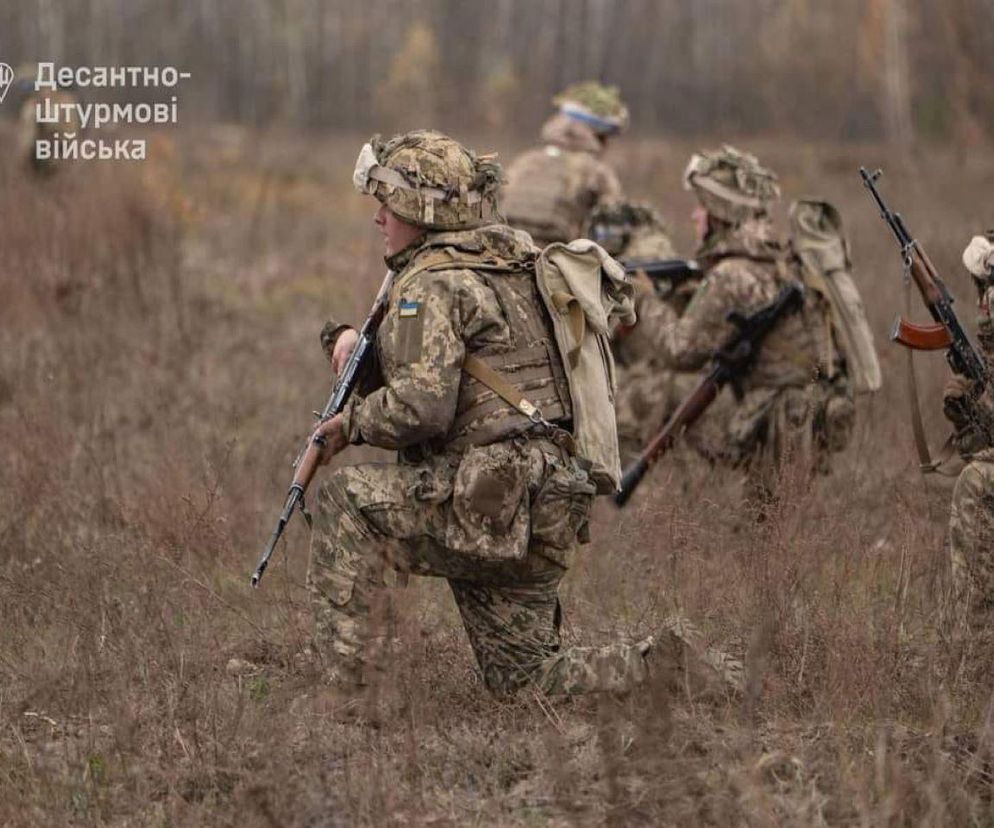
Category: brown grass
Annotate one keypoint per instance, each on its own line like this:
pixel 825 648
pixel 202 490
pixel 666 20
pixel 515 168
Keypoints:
pixel 158 360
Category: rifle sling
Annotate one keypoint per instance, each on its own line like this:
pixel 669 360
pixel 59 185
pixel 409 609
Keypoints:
pixel 509 392
pixel 925 462
pixel 500 385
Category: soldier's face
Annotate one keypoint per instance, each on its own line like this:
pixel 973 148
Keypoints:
pixel 397 233
pixel 699 217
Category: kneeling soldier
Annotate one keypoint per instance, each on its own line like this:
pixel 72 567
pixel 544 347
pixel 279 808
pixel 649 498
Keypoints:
pixel 484 496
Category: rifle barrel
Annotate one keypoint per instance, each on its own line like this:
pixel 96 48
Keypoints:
pixel 292 499
pixel 345 385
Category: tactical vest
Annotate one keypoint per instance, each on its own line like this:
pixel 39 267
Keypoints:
pixel 547 195
pixel 531 362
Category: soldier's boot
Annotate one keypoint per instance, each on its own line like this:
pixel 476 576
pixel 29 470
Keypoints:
pixel 677 657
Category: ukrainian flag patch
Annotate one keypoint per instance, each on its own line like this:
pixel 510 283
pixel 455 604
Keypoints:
pixel 409 310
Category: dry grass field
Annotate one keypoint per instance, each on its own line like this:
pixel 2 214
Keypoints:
pixel 158 365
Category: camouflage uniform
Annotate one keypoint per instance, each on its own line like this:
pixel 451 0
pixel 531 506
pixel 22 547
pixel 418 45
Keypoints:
pixel 551 190
pixel 479 497
pixel 795 400
pixel 971 519
pixel 30 130
pixel 649 390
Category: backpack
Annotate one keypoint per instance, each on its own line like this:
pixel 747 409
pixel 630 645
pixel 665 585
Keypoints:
pixel 822 253
pixel 586 294
pixel 547 192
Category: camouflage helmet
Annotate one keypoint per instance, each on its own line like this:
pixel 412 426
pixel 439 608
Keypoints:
pixel 429 179
pixel 631 230
pixel 731 184
pixel 599 107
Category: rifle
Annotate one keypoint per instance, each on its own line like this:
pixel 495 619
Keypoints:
pixel 731 362
pixel 307 461
pixel 948 333
pixel 673 271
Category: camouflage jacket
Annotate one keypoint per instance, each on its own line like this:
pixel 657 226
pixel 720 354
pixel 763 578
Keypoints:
pixel 552 190
pixel 743 272
pixel 434 319
pixel 639 343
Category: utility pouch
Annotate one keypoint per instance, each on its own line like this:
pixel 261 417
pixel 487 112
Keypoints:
pixel 562 505
pixel 490 503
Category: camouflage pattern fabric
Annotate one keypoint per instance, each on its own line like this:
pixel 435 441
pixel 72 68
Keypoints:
pixel 795 401
pixel 499 521
pixel 971 539
pixel 630 230
pixel 602 103
pixel 438 183
pixel 438 315
pixel 730 184
pixel 649 390
pixel 552 190
pixel 971 519
pixel 374 517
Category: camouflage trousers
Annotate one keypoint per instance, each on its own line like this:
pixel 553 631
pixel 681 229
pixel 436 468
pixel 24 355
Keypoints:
pixel 375 517
pixel 971 540
pixel 800 426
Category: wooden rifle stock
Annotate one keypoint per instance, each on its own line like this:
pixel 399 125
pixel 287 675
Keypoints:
pixel 687 413
pixel 309 458
pixel 731 362
pixel 961 353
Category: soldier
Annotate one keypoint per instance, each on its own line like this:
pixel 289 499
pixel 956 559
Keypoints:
pixel 795 402
pixel 971 411
pixel 31 129
pixel 648 389
pixel 551 190
pixel 480 496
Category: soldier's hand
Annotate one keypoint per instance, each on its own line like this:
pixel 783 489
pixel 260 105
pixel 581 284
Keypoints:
pixel 335 438
pixel 642 283
pixel 958 398
pixel 343 347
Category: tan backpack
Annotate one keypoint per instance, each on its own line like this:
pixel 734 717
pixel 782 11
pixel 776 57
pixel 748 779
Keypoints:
pixel 818 240
pixel 587 293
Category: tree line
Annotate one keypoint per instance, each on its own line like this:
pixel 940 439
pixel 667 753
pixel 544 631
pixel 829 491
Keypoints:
pixel 900 70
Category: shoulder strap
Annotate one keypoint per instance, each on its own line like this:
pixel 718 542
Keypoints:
pixel 509 392
pixel 444 259
pixel 501 386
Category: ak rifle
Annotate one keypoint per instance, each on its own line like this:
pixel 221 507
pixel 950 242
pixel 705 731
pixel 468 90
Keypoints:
pixel 673 271
pixel 947 333
pixel 731 363
pixel 307 461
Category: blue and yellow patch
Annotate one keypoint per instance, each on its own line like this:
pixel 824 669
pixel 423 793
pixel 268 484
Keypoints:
pixel 409 310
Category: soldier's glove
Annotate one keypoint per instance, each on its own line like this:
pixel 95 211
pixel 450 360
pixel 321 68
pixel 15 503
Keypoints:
pixel 959 401
pixel 642 284
pixel 329 336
